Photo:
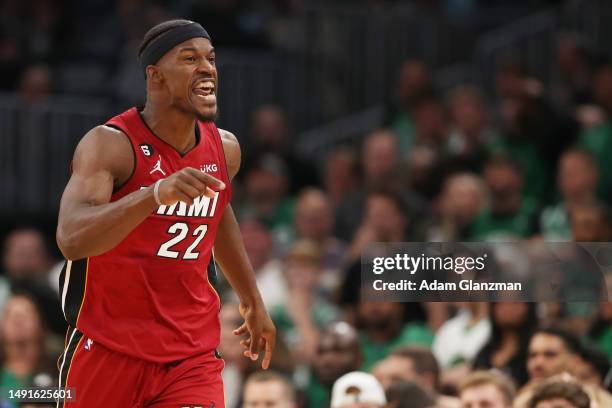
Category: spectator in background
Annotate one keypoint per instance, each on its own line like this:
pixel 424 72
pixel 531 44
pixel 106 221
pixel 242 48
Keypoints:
pixel 466 144
pixel 266 189
pixel 382 329
pixel 571 87
pixel 413 364
pixel 340 174
pixel 512 325
pixel 236 366
pixel 463 197
pixel 490 389
pixel 600 332
pixel 428 152
pixel 401 394
pixel 358 390
pixel 431 124
pixel 414 83
pixel 338 352
pixel 533 136
pixel 22 342
pixel 384 221
pixel 591 223
pixel 409 364
pixel 593 366
pixel 552 351
pixel 380 163
pixel 26 264
pixel 267 389
pixel 268 269
pixel 314 220
pixel 560 394
pixel 35 84
pixel 308 308
pixel 460 338
pixel 510 215
pixel 577 181
pixel 598 139
pixel 271 134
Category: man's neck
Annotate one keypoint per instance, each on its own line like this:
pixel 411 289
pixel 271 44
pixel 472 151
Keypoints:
pixel 173 127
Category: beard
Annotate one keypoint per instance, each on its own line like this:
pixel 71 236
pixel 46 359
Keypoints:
pixel 207 117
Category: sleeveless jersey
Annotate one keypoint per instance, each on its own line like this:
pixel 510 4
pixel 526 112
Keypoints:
pixel 151 296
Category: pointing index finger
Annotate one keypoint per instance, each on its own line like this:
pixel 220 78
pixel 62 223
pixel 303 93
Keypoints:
pixel 207 179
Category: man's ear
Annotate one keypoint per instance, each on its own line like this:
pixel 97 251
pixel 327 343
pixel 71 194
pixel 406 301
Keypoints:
pixel 154 74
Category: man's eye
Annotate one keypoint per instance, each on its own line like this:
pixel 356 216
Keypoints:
pixel 191 58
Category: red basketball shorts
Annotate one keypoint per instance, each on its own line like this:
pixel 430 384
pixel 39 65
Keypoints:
pixel 102 378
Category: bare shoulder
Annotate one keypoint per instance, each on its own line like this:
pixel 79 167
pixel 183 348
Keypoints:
pixel 232 151
pixel 104 148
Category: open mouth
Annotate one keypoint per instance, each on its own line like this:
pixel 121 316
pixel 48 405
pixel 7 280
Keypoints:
pixel 205 90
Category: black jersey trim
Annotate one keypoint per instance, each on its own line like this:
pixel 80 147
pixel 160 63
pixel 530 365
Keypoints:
pixel 73 285
pixel 134 155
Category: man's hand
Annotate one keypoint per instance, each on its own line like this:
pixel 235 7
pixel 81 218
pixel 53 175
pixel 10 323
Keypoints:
pixel 262 333
pixel 187 184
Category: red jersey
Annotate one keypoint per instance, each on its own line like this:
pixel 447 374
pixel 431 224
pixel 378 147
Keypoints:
pixel 151 297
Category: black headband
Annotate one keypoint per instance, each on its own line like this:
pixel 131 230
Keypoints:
pixel 168 40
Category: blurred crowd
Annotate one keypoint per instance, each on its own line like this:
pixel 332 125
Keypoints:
pixel 526 163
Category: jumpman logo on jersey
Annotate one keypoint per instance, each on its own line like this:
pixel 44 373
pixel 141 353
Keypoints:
pixel 158 167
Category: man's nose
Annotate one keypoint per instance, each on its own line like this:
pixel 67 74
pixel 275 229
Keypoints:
pixel 205 66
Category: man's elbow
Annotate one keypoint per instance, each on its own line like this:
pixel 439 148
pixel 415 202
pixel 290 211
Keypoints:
pixel 67 244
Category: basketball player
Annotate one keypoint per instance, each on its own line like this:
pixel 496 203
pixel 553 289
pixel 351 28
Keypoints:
pixel 146 206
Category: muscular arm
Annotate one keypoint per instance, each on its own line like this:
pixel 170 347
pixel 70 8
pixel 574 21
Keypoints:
pixel 88 223
pixel 233 259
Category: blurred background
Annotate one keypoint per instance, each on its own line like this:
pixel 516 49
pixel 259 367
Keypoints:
pixel 360 121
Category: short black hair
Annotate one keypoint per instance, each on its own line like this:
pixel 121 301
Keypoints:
pixel 597 359
pixel 159 30
pixel 422 358
pixel 570 340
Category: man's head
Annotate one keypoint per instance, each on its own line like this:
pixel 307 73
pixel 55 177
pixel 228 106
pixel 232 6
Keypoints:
pixel 338 352
pixel 462 198
pixel 560 394
pixel 486 389
pixel 357 390
pixel 380 157
pixel 314 218
pixel 577 176
pixel 385 215
pixel 21 321
pixel 257 241
pixel 505 181
pixel 385 318
pixel 552 351
pixel 602 86
pixel 593 366
pixel 178 60
pixel 25 254
pixel 269 129
pixel 468 111
pixel 414 82
pixel 267 389
pixel 402 394
pixel 591 222
pixel 409 364
pixel 303 266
